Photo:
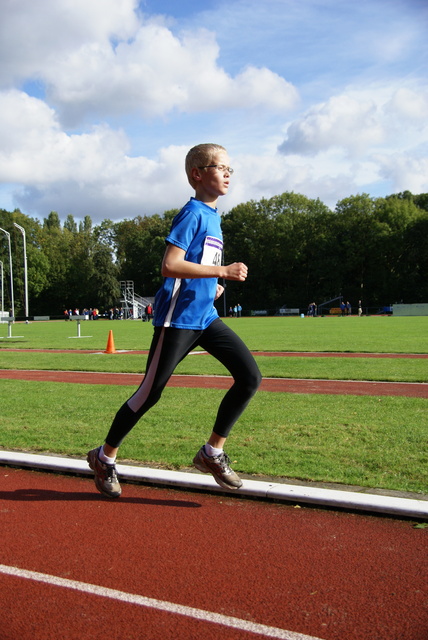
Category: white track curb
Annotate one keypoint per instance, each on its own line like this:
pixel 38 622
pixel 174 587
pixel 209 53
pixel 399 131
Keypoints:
pixel 332 498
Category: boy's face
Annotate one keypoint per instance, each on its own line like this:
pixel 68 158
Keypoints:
pixel 211 182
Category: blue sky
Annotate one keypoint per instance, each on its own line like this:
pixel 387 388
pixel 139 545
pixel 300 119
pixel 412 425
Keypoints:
pixel 101 99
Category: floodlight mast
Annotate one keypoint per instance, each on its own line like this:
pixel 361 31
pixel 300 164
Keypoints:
pixel 2 290
pixel 11 275
pixel 22 230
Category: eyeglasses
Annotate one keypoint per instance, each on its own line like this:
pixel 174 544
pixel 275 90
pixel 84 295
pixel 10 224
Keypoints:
pixel 220 167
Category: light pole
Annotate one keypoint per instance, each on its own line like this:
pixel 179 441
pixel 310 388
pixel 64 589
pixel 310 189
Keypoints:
pixel 2 290
pixel 22 230
pixel 11 275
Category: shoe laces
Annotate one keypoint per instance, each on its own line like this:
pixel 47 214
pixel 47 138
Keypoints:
pixel 111 472
pixel 224 461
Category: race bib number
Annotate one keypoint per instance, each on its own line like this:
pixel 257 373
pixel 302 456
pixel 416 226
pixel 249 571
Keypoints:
pixel 213 250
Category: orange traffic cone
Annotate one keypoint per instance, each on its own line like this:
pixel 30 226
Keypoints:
pixel 110 343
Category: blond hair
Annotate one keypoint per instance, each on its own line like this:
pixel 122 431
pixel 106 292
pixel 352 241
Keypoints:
pixel 200 156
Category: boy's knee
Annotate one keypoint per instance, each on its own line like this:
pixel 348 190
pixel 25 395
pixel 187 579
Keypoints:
pixel 253 382
pixel 258 380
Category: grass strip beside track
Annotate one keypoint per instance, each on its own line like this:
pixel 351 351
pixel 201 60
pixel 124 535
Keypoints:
pixel 367 334
pixel 365 441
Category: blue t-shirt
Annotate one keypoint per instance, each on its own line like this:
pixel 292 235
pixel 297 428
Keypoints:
pixel 189 303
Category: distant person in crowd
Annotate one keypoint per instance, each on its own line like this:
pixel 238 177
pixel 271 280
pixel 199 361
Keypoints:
pixel 312 309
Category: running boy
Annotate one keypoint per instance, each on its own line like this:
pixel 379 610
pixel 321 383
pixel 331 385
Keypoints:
pixel 185 317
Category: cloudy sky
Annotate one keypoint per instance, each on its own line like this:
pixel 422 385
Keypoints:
pixel 101 99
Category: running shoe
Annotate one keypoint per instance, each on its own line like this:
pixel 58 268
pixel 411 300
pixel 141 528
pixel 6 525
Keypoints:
pixel 219 467
pixel 105 475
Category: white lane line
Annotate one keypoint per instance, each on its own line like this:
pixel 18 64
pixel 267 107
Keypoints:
pixel 161 605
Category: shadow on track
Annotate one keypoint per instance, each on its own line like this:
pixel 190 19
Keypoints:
pixel 47 495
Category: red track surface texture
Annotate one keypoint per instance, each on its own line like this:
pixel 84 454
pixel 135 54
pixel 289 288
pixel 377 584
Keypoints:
pixel 326 575
pixel 360 388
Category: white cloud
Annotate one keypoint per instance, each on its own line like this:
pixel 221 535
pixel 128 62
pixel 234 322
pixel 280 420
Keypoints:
pixel 34 35
pixel 90 173
pixel 95 59
pixel 343 121
pixel 410 104
pixel 404 172
pixel 126 188
pixel 38 151
pixel 262 88
pixel 330 177
pixel 363 121
pixel 100 101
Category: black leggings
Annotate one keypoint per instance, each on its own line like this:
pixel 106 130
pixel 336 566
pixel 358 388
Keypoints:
pixel 169 346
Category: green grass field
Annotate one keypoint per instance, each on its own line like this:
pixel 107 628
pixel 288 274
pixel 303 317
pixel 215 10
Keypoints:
pixel 383 334
pixel 366 441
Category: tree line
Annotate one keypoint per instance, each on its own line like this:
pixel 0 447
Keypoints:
pixel 296 248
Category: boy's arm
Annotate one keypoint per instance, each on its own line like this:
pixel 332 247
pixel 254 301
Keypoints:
pixel 175 266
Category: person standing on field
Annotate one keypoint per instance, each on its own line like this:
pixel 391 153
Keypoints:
pixel 184 318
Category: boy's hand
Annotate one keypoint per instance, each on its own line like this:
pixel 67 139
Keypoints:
pixel 237 271
pixel 219 291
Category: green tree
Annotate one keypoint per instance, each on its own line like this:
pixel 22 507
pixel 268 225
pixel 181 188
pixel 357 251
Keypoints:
pixel 140 247
pixel 56 246
pixel 276 239
pixel 297 251
pixel 396 278
pixel 421 201
pixel 52 222
pixel 70 224
pixel 104 290
pixel 359 252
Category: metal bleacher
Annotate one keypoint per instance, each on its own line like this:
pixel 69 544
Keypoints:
pixel 133 305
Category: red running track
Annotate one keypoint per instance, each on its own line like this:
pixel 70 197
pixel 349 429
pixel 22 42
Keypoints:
pixel 329 575
pixel 281 385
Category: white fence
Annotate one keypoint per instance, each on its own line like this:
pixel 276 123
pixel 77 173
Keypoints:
pixel 410 309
